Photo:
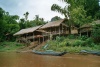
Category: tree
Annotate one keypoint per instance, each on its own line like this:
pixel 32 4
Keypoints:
pixel 38 20
pixel 91 7
pixel 26 15
pixel 22 23
pixel 2 24
pixel 55 18
pixel 8 25
pixel 75 10
pixel 64 11
pixel 96 33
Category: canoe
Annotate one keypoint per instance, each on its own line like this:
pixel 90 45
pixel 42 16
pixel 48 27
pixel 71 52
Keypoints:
pixel 49 53
pixel 91 52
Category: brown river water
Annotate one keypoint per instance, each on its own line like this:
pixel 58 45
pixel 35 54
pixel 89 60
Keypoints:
pixel 32 60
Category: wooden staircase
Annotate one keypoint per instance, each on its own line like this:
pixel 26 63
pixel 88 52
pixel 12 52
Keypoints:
pixel 39 46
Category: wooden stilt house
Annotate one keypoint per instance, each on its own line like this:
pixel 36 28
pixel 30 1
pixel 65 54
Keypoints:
pixel 29 34
pixel 86 29
pixel 56 27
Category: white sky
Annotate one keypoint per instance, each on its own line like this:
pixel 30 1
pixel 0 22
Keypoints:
pixel 34 7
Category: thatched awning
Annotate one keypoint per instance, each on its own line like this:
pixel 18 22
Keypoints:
pixel 97 22
pixel 86 26
pixel 53 24
pixel 89 25
pixel 28 30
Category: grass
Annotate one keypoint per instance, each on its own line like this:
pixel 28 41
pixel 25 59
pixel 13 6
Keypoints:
pixel 10 46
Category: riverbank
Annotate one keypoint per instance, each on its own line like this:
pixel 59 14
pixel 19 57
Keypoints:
pixel 71 45
pixel 60 44
pixel 10 46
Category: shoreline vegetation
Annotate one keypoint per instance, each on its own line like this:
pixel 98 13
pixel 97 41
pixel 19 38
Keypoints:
pixel 10 46
pixel 70 44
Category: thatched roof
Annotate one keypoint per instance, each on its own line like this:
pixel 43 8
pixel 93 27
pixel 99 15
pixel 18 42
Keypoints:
pixel 52 24
pixel 86 25
pixel 28 30
pixel 89 25
pixel 43 31
pixel 97 22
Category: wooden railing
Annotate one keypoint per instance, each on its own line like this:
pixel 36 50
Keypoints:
pixel 29 37
pixel 61 32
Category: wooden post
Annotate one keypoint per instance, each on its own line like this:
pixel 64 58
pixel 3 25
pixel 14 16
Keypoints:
pixel 62 28
pixel 33 36
pixel 80 33
pixel 43 38
pixel 87 33
pixel 50 34
pixel 55 30
pixel 39 40
pixel 59 30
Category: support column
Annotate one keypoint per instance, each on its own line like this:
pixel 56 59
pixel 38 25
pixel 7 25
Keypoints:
pixel 62 28
pixel 59 30
pixel 87 33
pixel 43 38
pixel 80 33
pixel 33 37
pixel 39 40
pixel 55 30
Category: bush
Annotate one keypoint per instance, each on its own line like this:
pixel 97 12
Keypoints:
pixel 71 37
pixel 82 38
pixel 78 43
pixel 96 33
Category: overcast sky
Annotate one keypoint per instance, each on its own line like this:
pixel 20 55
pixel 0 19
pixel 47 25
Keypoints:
pixel 34 7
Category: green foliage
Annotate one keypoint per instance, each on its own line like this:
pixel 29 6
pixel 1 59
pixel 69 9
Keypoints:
pixel 10 46
pixel 72 44
pixel 96 33
pixel 82 38
pixel 9 24
pixel 64 11
pixel 79 16
pixel 79 11
pixel 55 18
pixel 23 23
pixel 92 11
pixel 71 36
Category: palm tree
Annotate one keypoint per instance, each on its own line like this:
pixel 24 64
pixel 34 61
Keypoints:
pixel 61 10
pixel 64 11
pixel 26 15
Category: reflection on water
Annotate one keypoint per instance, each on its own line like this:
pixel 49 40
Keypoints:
pixel 33 60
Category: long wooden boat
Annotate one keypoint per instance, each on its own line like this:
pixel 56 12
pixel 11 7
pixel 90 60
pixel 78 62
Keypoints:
pixel 49 53
pixel 91 52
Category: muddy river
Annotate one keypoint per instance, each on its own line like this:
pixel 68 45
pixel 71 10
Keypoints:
pixel 33 60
